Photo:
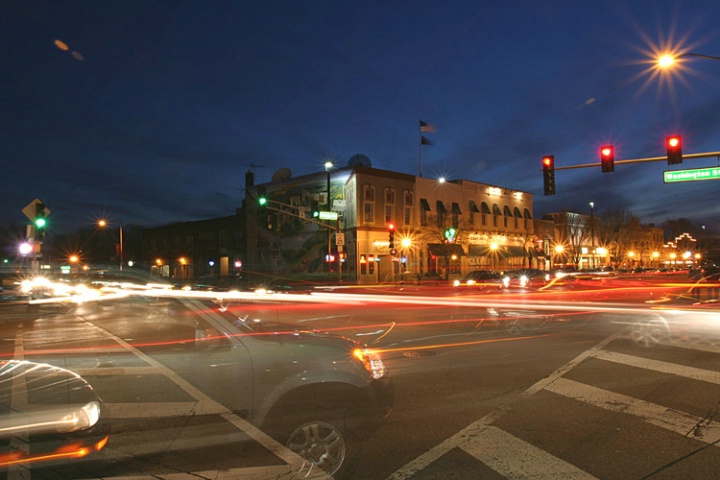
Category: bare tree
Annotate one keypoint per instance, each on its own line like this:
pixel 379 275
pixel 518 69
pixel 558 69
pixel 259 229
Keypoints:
pixel 618 231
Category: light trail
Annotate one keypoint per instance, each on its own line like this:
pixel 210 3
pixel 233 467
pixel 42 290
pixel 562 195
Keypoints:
pixel 461 344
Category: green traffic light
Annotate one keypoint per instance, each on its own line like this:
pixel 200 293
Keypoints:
pixel 40 222
pixel 262 201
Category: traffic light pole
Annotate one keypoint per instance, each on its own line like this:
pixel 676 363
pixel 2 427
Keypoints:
pixel 642 160
pixel 281 208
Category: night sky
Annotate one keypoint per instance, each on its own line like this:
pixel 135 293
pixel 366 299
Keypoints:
pixel 150 112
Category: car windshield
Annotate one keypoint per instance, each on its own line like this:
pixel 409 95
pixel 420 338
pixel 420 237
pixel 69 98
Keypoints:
pixel 359 240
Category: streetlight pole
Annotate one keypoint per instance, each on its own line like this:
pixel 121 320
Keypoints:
pixel 102 224
pixel 328 167
pixel 592 233
pixel 121 248
pixel 668 60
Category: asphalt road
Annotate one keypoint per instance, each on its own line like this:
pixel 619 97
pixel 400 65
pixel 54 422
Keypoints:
pixel 566 395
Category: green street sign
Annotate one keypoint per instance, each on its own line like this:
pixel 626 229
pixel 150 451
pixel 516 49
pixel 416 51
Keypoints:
pixel 694 175
pixel 328 215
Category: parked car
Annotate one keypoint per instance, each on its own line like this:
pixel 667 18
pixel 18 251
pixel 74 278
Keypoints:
pixel 311 391
pixel 481 279
pixel 51 408
pixel 525 278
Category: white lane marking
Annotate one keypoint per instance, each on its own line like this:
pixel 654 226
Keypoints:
pixel 116 371
pixel 253 473
pixel 162 410
pixel 491 447
pixel 709 376
pixel 476 428
pixel 704 430
pixel 162 440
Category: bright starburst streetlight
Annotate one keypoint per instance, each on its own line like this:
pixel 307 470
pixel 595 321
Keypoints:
pixel 668 60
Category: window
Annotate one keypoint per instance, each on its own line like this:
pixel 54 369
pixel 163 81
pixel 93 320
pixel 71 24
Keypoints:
pixel 496 213
pixel 485 212
pixel 456 212
pixel 389 205
pixel 473 210
pixel 369 193
pixel 389 213
pixel 407 207
pixel 424 209
pixel 368 209
pixel 369 204
pixel 441 212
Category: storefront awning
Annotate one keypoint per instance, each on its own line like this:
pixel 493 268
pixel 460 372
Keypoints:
pixel 445 249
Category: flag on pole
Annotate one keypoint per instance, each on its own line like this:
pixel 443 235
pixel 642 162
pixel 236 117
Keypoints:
pixel 425 141
pixel 426 127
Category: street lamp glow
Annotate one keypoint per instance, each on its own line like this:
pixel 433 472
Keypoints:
pixel 665 61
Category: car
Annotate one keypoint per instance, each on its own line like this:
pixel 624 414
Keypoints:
pixel 480 279
pixel 525 278
pixel 53 409
pixel 523 321
pixel 312 391
pixel 687 316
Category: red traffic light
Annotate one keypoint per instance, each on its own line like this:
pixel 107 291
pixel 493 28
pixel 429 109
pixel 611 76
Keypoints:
pixel 548 164
pixel 391 227
pixel 674 149
pixel 607 158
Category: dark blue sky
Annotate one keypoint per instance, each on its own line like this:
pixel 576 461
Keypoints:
pixel 158 108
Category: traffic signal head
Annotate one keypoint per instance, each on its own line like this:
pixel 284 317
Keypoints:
pixel 548 165
pixel 674 149
pixel 261 198
pixel 40 214
pixel 607 158
pixel 391 236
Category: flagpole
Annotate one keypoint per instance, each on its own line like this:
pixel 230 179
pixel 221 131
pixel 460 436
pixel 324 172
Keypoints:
pixel 420 149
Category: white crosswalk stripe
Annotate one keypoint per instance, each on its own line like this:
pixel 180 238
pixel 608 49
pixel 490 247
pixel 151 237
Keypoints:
pixel 515 459
pixel 527 461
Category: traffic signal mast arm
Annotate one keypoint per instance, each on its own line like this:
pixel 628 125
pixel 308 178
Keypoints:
pixel 291 210
pixel 642 160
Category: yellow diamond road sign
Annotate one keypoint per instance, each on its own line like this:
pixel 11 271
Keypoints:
pixel 31 209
